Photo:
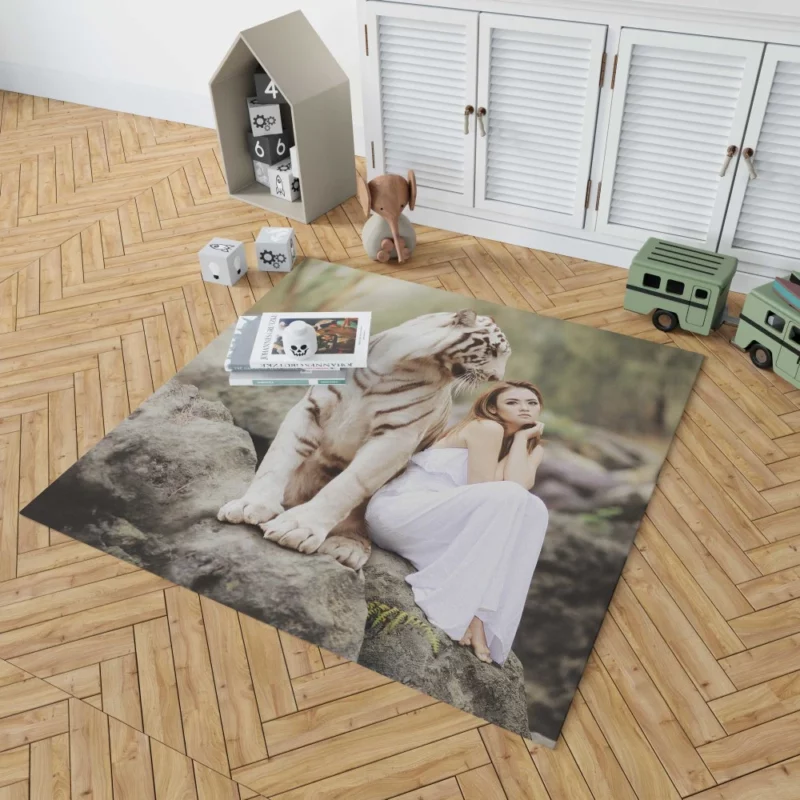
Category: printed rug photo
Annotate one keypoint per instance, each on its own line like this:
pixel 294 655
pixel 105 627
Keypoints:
pixel 507 531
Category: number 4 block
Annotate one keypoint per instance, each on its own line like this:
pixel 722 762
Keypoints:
pixel 267 90
pixel 270 149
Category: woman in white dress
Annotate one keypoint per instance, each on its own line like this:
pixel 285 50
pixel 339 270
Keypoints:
pixel 463 515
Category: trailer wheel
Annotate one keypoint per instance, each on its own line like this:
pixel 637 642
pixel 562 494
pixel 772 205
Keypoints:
pixel 665 320
pixel 761 357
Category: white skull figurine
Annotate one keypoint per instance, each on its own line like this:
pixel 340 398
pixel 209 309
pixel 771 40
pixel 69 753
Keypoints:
pixel 299 339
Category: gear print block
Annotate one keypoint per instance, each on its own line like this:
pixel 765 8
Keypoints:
pixel 268 119
pixel 275 249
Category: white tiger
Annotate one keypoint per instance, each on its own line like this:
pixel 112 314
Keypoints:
pixel 339 444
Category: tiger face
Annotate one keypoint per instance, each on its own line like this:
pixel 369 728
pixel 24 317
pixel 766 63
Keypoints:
pixel 469 348
pixel 479 352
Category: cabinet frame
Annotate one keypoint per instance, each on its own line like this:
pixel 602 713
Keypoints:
pixel 596 35
pixel 372 94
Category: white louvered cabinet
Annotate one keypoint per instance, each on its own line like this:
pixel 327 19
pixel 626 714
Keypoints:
pixel 421 80
pixel 763 220
pixel 679 102
pixel 538 86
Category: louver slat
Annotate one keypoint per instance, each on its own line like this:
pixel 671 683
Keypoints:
pixel 423 67
pixel 541 96
pixel 769 221
pixel 679 102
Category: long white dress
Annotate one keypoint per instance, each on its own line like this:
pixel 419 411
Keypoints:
pixel 475 546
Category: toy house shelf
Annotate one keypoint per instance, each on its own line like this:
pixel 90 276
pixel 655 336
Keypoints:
pixel 318 91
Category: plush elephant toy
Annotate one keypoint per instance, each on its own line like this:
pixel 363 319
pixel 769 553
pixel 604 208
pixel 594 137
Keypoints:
pixel 388 233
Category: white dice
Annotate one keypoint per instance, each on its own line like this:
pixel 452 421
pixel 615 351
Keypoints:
pixel 275 249
pixel 282 183
pixel 261 172
pixel 222 261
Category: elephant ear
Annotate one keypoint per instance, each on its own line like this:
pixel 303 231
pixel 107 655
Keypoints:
pixel 412 189
pixel 363 194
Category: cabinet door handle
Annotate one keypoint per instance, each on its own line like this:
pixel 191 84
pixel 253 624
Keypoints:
pixel 748 154
pixel 730 153
pixel 468 110
pixel 481 115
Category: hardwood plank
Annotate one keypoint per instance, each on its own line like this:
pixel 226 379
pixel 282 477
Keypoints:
pixel 33 478
pixel 81 653
pixel 635 755
pixel 88 409
pixel 137 368
pixel 120 688
pixel 113 389
pixel 778 782
pixel 161 711
pixel 399 773
pixel 50 768
pixel 81 683
pixel 15 791
pixel 754 748
pixel 302 658
pixel 131 766
pixel 159 350
pixel 14 766
pixel 331 684
pixel 31 726
pixel 213 786
pixel 355 749
pixel 173 776
pixel 660 726
pixel 768 624
pixel 72 627
pixel 339 716
pixel 90 758
pixel 181 336
pixel 512 761
pixel 9 504
pixel 202 726
pixel 241 725
pixel 46 558
pixel 271 680
pixel 773 589
pixel 481 784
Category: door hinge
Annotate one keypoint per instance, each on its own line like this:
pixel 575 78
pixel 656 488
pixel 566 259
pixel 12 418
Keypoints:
pixel 614 71
pixel 588 192
pixel 603 68
pixel 597 201
pixel 372 147
pixel 366 40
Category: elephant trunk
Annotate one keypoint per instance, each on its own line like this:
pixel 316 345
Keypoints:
pixel 393 227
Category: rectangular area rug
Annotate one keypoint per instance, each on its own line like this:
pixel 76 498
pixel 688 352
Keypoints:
pixel 537 567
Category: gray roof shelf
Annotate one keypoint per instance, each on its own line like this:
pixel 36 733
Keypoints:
pixel 318 91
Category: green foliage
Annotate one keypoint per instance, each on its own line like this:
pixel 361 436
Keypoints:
pixel 600 519
pixel 388 618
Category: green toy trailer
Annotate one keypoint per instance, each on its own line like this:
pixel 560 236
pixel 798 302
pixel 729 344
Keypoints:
pixel 686 287
pixel 769 328
pixel 680 286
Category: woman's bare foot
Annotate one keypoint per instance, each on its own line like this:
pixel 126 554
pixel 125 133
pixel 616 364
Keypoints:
pixel 475 637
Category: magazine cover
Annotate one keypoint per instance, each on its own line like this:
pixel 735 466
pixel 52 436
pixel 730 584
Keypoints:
pixel 330 340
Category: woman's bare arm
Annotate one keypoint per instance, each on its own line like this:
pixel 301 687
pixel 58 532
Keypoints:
pixel 483 439
pixel 520 465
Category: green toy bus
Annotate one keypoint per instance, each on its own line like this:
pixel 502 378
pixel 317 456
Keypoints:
pixel 680 286
pixel 769 329
pixel 686 287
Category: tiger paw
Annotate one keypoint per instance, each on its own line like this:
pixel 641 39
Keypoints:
pixel 297 529
pixel 351 553
pixel 249 510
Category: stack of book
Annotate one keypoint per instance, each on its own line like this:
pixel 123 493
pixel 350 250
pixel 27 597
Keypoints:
pixel 256 354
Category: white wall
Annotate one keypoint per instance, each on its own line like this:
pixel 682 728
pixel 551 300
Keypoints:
pixel 150 57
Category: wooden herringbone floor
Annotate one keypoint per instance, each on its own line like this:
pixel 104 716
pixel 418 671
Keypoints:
pixel 115 684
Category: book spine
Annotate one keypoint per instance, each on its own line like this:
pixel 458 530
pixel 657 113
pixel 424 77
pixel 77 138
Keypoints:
pixel 287 382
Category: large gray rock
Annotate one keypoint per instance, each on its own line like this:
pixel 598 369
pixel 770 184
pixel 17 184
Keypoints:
pixel 149 493
pixel 454 674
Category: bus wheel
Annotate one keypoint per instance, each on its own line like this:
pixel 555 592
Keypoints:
pixel 761 357
pixel 665 320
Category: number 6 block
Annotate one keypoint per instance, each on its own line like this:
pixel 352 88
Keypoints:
pixel 270 149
